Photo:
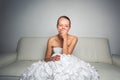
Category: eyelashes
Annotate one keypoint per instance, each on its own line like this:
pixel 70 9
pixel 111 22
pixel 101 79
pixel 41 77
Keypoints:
pixel 61 25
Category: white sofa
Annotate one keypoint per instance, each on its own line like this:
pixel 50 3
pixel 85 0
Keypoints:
pixel 96 51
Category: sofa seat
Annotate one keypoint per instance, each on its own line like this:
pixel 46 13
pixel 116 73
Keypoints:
pixel 15 69
pixel 107 71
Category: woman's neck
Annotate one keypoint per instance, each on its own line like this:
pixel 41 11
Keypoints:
pixel 59 37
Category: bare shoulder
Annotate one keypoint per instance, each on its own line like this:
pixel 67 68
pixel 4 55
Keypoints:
pixel 73 37
pixel 52 38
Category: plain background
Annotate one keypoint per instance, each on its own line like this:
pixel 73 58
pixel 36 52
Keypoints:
pixel 37 18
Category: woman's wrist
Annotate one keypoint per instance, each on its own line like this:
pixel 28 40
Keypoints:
pixel 51 58
pixel 64 39
pixel 48 59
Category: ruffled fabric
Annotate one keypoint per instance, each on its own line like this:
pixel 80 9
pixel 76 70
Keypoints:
pixel 68 67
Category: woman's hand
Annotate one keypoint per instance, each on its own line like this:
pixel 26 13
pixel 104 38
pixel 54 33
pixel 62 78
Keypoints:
pixel 64 34
pixel 55 58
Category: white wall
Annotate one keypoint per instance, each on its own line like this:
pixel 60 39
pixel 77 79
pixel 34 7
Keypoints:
pixel 90 18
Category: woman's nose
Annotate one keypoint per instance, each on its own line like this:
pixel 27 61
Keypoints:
pixel 63 27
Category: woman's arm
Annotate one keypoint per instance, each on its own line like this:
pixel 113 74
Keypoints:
pixel 49 50
pixel 69 49
pixel 72 45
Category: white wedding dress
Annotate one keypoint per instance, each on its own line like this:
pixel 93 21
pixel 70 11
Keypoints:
pixel 68 67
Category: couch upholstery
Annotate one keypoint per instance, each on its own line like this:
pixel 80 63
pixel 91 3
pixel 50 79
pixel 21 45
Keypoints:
pixel 96 51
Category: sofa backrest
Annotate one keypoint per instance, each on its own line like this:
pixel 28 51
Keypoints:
pixel 32 48
pixel 93 50
pixel 87 49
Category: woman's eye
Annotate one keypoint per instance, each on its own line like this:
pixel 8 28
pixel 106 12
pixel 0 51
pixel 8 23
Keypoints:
pixel 60 25
pixel 66 26
pixel 63 25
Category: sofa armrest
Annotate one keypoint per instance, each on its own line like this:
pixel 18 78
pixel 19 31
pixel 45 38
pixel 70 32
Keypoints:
pixel 7 58
pixel 116 59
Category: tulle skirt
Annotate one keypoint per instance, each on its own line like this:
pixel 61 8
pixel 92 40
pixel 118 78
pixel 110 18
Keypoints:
pixel 68 67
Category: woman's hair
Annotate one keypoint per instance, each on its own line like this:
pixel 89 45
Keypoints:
pixel 65 18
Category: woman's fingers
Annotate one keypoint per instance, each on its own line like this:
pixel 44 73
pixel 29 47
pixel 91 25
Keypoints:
pixel 56 58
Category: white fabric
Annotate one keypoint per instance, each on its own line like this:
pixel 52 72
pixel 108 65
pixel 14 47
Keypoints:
pixel 93 50
pixel 68 68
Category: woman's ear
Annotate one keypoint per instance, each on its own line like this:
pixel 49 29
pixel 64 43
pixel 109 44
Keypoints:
pixel 69 27
pixel 56 26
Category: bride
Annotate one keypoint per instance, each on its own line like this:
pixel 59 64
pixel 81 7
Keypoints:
pixel 59 63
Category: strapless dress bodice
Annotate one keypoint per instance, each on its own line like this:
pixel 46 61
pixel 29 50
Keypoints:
pixel 57 50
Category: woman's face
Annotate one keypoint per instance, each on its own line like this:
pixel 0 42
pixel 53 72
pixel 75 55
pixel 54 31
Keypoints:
pixel 63 25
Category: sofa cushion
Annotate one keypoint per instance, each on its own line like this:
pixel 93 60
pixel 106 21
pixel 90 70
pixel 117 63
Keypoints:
pixel 9 78
pixel 93 50
pixel 32 48
pixel 8 58
pixel 107 71
pixel 15 69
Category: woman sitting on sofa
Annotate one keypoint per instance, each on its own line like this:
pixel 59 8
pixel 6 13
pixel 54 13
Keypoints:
pixel 59 63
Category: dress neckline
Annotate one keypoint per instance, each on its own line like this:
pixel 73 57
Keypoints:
pixel 57 47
